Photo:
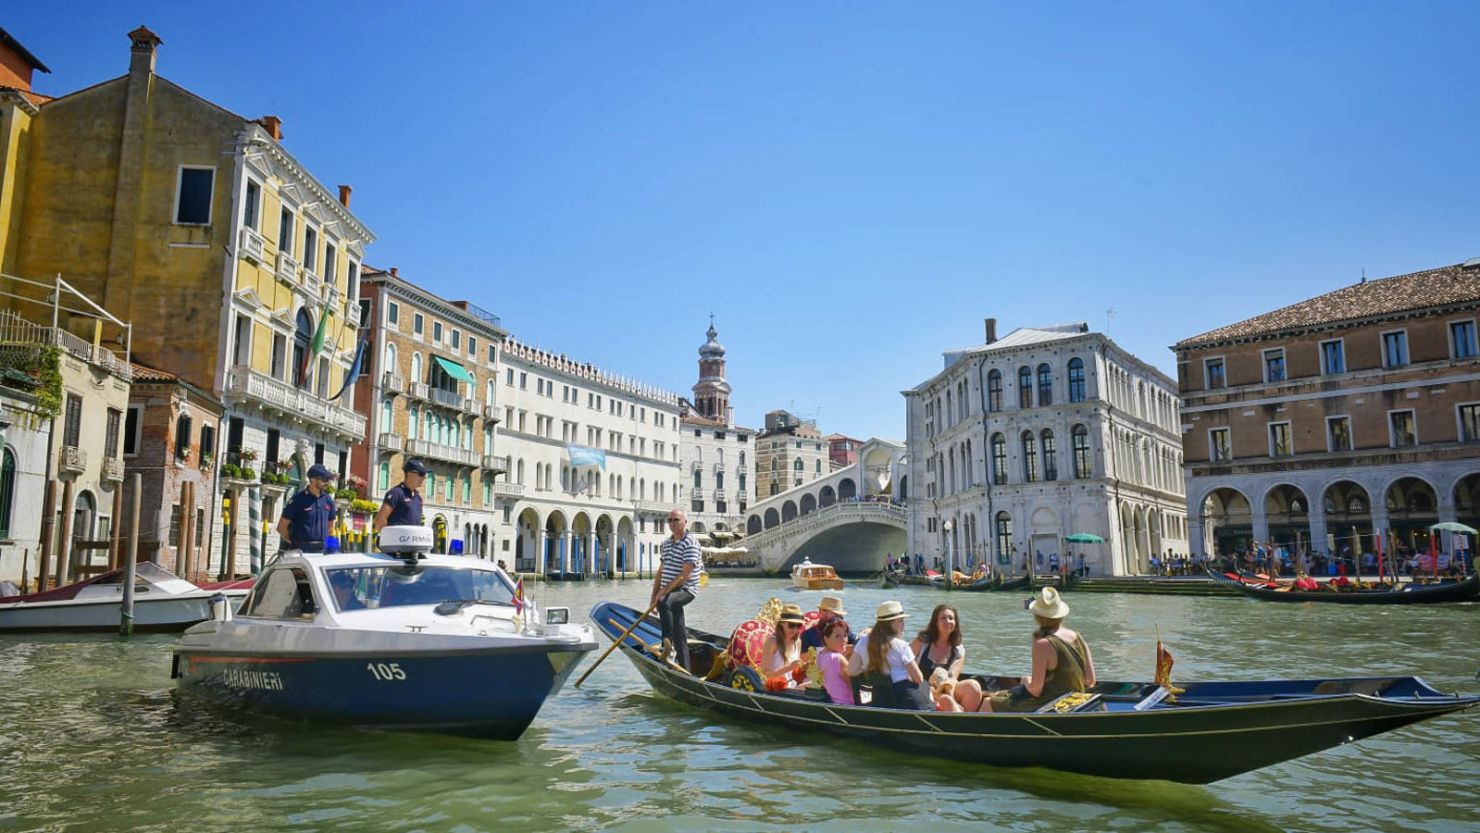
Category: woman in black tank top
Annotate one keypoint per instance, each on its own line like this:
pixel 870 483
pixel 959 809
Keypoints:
pixel 942 639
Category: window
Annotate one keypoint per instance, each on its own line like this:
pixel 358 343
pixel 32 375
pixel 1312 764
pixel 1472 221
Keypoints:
pixel 418 324
pixel 1395 348
pixel 1025 387
pixel 1218 445
pixel 182 437
pixel 1274 365
pixel 1279 439
pixel 208 440
pixel 72 430
pixel 393 313
pixel 1045 385
pixel 437 331
pixel 331 262
pixel 1214 375
pixel 131 429
pixel 274 441
pixel 1469 423
pixel 1030 458
pixel 473 346
pixel 999 459
pixel 193 198
pixel 1338 433
pixel 1076 380
pixel 1402 431
pixel 7 491
pixel 252 206
pixel 994 391
pixel 285 232
pixel 1082 463
pixel 1462 340
pixel 1333 357
pixel 284 594
pixel 279 355
pixel 1004 538
pixel 1050 456
pixel 310 248
pixel 242 343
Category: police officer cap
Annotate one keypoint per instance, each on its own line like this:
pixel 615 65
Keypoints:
pixel 414 466
pixel 320 471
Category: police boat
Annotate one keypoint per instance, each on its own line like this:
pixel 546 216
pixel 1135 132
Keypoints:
pixel 398 640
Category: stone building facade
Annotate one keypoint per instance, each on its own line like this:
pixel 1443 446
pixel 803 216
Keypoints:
pixel 1356 411
pixel 1047 432
pixel 790 452
pixel 714 453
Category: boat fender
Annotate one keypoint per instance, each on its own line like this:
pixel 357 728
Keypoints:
pixel 220 608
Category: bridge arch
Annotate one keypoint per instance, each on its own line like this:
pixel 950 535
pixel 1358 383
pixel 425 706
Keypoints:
pixel 773 518
pixel 788 511
pixel 809 504
pixel 847 489
pixel 752 524
pixel 827 497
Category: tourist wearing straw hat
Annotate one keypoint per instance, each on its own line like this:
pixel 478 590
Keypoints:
pixel 1061 660
pixel 781 655
pixel 883 661
pixel 828 609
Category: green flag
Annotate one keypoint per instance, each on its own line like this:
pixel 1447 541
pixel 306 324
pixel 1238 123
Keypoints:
pixel 318 337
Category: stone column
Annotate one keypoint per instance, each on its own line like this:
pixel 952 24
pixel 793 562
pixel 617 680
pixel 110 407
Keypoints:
pixel 538 551
pixel 1197 543
pixel 1260 521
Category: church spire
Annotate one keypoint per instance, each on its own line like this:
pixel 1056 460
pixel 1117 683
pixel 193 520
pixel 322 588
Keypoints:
pixel 712 392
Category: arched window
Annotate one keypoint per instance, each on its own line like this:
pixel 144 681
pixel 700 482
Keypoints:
pixel 416 367
pixel 994 391
pixel 1025 387
pixel 385 474
pixel 948 414
pixel 302 338
pixel 1050 456
pixel 1004 538
pixel 796 465
pixel 7 492
pixel 385 415
pixel 999 459
pixel 1045 384
pixel 519 472
pixel 1030 458
pixel 390 358
pixel 413 423
pixel 1076 380
pixel 488 393
pixel 1082 468
pixel 819 466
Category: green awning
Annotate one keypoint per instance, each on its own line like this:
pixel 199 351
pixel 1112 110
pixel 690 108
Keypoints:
pixel 455 370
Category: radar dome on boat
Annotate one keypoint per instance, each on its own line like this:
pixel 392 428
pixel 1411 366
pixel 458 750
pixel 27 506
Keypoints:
pixel 395 540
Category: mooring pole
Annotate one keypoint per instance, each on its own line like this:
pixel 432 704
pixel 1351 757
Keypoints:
pixel 126 619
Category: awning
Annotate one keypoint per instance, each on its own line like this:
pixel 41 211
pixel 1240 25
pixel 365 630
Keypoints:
pixel 455 370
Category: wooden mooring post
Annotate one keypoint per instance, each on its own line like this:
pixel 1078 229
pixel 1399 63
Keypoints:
pixel 48 532
pixel 126 615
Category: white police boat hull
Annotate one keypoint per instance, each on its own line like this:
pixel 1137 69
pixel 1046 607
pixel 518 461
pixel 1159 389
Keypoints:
pixel 384 642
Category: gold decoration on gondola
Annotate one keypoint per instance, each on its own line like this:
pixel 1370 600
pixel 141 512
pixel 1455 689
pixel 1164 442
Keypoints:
pixel 1073 700
pixel 809 661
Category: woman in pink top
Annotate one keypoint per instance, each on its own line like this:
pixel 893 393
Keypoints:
pixel 833 661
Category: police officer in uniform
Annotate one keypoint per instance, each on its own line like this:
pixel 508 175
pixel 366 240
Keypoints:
pixel 308 517
pixel 402 504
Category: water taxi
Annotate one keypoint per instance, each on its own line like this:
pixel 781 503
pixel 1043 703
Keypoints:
pixel 809 576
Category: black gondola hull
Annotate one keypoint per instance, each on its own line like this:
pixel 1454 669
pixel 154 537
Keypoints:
pixel 1449 591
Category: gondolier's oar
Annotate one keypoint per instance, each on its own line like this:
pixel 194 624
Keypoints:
pixel 618 641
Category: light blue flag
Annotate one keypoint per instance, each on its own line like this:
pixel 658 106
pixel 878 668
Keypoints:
pixel 582 456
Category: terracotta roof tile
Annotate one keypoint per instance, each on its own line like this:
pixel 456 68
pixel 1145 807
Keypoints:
pixel 1445 286
pixel 149 374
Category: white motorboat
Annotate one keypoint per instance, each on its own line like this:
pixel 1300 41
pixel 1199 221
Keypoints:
pixel 391 641
pixel 162 602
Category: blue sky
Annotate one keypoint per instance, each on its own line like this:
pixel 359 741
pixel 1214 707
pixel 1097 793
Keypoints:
pixel 850 187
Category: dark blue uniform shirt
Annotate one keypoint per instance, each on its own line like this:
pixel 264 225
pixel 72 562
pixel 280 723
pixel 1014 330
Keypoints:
pixel 310 519
pixel 405 506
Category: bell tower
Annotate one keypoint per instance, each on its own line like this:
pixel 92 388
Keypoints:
pixel 712 392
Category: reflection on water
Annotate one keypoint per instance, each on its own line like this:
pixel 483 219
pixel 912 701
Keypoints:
pixel 93 736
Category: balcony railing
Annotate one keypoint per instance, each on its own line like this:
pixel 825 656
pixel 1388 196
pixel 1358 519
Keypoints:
pixel 113 469
pixel 471 406
pixel 437 451
pixel 490 412
pixel 391 442
pixel 244 383
pixel 419 390
pixel 287 267
pixel 448 398
pixel 250 245
pixel 496 462
pixel 74 459
pixel 393 383
pixel 512 489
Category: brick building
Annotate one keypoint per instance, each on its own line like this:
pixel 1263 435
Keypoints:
pixel 1354 411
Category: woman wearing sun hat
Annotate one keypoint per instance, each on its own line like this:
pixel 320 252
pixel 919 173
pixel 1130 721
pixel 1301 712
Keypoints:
pixel 781 655
pixel 1061 660
pixel 884 661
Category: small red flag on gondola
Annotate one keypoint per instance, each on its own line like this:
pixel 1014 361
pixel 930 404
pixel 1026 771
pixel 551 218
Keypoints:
pixel 519 596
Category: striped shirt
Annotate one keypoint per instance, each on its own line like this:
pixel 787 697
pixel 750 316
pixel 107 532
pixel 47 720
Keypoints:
pixel 675 554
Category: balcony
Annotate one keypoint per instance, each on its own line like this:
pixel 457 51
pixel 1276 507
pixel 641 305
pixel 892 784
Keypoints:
pixel 490 412
pixel 508 489
pixel 471 406
pixel 419 390
pixel 352 312
pixel 74 460
pixel 496 462
pixel 719 468
pixel 653 506
pixel 450 399
pixel 391 442
pixel 243 384
pixel 250 245
pixel 437 451
pixel 287 268
pixel 719 494
pixel 330 295
pixel 113 469
pixel 393 383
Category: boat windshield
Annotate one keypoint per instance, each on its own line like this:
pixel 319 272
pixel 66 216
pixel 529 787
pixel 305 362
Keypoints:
pixel 361 588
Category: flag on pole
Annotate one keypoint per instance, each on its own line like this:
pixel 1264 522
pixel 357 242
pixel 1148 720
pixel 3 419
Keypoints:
pixel 519 596
pixel 354 368
pixel 315 347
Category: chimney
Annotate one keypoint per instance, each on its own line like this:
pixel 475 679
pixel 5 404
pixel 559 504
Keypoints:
pixel 991 330
pixel 142 46
pixel 274 127
pixel 344 192
pixel 395 272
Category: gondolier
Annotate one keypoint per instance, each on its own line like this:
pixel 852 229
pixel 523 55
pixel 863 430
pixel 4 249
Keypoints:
pixel 309 515
pixel 402 504
pixel 677 583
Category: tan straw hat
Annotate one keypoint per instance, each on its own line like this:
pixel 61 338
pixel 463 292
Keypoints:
pixel 890 610
pixel 1049 605
pixel 791 613
pixel 832 604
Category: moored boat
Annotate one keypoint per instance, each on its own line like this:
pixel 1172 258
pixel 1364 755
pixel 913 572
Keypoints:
pixel 1383 593
pixel 431 643
pixel 809 576
pixel 162 602
pixel 1206 732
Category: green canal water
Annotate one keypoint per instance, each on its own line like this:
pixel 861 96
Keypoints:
pixel 93 737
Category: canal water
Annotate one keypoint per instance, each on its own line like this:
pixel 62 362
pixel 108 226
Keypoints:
pixel 94 738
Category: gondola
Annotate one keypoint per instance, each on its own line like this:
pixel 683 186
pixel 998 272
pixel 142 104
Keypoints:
pixel 1209 731
pixel 1411 593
